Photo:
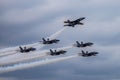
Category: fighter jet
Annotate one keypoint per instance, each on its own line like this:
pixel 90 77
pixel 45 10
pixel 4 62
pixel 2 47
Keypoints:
pixel 23 50
pixel 88 54
pixel 48 41
pixel 75 22
pixel 83 44
pixel 57 52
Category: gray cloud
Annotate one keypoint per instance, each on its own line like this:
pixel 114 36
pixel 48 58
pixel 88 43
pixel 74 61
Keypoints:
pixel 27 21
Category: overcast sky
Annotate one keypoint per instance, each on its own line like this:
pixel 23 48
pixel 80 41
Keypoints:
pixel 27 21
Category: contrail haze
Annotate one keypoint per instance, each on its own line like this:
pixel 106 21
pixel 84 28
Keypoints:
pixel 33 64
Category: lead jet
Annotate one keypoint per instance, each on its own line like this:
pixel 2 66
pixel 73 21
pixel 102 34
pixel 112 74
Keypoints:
pixel 75 22
pixel 88 54
pixel 23 50
pixel 48 41
pixel 83 44
pixel 57 52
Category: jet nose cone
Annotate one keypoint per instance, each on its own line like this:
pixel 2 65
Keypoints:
pixel 96 53
pixel 91 43
pixel 65 51
pixel 57 40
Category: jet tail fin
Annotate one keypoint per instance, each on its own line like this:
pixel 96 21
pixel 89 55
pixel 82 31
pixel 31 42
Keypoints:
pixel 51 51
pixel 21 49
pixel 78 44
pixel 44 39
pixel 83 52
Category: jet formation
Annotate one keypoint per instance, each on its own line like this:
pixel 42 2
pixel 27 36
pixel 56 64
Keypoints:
pixel 30 55
pixel 52 41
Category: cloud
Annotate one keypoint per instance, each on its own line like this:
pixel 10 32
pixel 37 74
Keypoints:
pixel 7 78
pixel 25 21
pixel 19 15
